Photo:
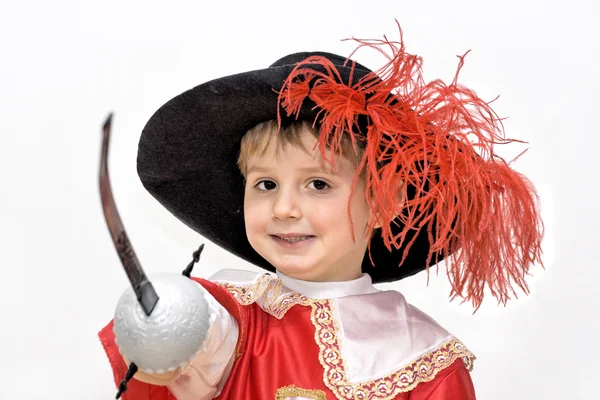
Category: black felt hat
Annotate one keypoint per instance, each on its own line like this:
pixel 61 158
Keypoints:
pixel 188 151
pixel 427 132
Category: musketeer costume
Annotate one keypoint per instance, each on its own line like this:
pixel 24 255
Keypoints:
pixel 275 337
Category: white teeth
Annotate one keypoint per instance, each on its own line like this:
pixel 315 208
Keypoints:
pixel 294 239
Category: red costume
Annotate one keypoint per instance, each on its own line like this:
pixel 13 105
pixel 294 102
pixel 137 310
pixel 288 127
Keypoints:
pixel 434 183
pixel 291 346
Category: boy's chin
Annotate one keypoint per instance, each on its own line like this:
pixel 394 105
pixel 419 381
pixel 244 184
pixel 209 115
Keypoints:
pixel 303 273
pixel 311 275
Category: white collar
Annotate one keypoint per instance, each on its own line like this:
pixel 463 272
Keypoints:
pixel 378 335
pixel 328 290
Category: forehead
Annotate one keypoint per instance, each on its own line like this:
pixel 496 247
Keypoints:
pixel 303 155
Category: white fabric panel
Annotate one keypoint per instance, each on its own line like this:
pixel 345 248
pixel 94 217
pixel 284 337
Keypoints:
pixel 404 333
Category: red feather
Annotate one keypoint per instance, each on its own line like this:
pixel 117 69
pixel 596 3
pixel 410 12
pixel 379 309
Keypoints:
pixel 439 139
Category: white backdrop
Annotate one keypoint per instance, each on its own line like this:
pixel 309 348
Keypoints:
pixel 65 64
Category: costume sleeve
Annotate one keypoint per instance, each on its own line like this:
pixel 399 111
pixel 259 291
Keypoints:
pixel 205 374
pixel 453 383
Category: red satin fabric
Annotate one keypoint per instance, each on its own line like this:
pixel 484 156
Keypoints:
pixel 274 353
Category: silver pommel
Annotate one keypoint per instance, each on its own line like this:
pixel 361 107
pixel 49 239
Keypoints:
pixel 173 333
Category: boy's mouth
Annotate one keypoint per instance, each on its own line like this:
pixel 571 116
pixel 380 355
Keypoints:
pixel 292 238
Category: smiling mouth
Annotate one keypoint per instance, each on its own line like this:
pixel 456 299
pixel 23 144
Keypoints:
pixel 293 239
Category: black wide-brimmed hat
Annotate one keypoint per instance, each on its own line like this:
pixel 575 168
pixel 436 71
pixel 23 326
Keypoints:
pixel 189 148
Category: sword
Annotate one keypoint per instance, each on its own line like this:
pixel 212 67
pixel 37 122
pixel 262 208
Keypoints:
pixel 143 289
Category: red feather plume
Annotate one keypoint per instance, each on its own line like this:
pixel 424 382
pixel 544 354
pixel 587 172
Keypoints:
pixel 439 139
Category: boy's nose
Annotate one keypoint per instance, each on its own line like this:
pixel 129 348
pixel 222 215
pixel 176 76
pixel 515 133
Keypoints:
pixel 286 205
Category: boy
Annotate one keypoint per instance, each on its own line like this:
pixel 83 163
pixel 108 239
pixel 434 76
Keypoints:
pixel 343 178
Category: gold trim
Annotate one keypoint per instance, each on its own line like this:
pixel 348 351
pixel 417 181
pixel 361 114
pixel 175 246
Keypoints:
pixel 248 294
pixel 266 290
pixel 421 370
pixel 293 391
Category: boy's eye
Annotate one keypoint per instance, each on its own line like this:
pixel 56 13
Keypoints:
pixel 319 184
pixel 265 185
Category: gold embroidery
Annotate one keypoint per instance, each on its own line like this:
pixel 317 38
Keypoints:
pixel 267 291
pixel 386 388
pixel 248 294
pixel 292 391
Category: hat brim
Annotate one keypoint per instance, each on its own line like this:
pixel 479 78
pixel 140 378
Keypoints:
pixel 187 160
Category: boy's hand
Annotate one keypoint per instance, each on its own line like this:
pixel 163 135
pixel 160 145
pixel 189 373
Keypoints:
pixel 163 379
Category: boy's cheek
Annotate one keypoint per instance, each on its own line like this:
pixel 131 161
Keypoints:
pixel 251 212
pixel 254 223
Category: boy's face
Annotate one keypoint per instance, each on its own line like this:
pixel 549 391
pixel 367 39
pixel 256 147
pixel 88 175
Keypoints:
pixel 296 213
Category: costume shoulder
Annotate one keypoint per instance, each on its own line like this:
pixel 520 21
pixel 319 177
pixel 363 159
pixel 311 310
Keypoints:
pixel 383 340
pixel 453 383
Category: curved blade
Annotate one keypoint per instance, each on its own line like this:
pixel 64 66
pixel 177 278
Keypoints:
pixel 146 295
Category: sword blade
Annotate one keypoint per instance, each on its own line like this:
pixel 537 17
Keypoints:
pixel 144 291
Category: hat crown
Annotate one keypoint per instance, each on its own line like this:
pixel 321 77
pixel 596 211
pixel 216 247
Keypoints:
pixel 294 58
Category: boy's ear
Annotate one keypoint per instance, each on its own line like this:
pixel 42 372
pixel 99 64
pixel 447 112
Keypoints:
pixel 401 198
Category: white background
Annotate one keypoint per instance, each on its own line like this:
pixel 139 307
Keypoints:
pixel 65 64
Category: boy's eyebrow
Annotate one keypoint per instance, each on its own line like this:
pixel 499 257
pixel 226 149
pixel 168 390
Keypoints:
pixel 320 170
pixel 257 169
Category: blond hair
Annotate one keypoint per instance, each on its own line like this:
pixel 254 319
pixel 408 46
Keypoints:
pixel 255 142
